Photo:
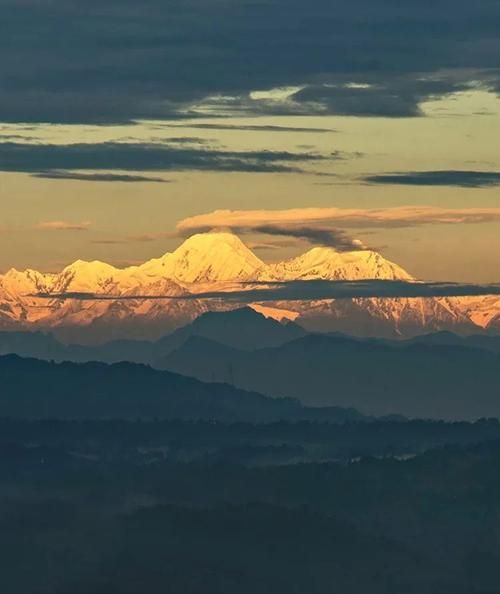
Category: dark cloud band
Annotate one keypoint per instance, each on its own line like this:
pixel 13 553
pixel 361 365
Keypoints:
pixel 252 128
pixel 99 177
pixel 110 61
pixel 457 178
pixel 308 290
pixel 37 158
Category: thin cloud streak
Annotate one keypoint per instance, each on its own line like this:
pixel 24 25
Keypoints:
pixel 61 226
pixel 99 177
pixel 306 290
pixel 252 128
pixel 454 178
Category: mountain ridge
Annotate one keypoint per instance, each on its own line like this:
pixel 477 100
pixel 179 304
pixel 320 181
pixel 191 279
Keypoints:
pixel 207 261
pixel 36 389
pixel 378 378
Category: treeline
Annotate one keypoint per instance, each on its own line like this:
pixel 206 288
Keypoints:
pixel 239 443
pixel 106 525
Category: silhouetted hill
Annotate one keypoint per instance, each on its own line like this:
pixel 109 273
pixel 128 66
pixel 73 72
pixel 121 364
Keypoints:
pixel 39 345
pixel 34 389
pixel 485 342
pixel 240 328
pixel 415 380
pixel 243 329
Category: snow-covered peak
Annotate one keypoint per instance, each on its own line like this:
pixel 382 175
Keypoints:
pixel 96 276
pixel 206 261
pixel 90 269
pixel 216 242
pixel 210 257
pixel 86 276
pixel 369 264
pixel 329 264
pixel 26 281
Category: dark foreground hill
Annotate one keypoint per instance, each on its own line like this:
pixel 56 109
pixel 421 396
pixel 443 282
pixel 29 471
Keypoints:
pixel 32 388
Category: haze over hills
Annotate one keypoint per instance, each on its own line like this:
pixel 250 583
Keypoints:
pixel 417 380
pixel 243 329
pixel 202 263
pixel 34 389
pixel 440 375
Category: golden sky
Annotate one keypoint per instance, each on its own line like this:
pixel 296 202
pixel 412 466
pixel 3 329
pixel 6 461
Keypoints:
pixel 48 222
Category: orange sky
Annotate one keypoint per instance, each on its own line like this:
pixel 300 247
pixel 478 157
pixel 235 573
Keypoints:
pixel 47 223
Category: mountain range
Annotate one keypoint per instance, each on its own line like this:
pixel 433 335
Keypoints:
pixel 243 329
pixel 440 375
pixel 51 301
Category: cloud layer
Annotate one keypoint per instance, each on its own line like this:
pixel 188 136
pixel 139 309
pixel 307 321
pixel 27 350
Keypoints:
pixel 99 177
pixel 251 127
pixel 52 159
pixel 308 290
pixel 458 178
pixel 110 61
pixel 62 226
pixel 326 225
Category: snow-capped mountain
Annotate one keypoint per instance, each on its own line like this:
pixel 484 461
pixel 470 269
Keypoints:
pixel 483 311
pixel 205 258
pixel 329 264
pixel 373 316
pixel 160 295
pixel 398 316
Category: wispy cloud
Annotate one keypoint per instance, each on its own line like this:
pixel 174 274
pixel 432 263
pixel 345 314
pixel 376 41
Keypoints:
pixel 316 235
pixel 252 127
pixel 108 241
pixel 99 177
pixel 141 238
pixel 456 178
pixel 62 226
pixel 327 226
pixel 272 244
pixel 147 237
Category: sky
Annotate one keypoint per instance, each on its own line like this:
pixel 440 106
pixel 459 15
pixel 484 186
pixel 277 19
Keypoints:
pixel 125 126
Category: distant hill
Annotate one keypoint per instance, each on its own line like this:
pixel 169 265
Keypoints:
pixel 242 328
pixel 35 389
pixel 440 375
pixel 487 342
pixel 416 380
